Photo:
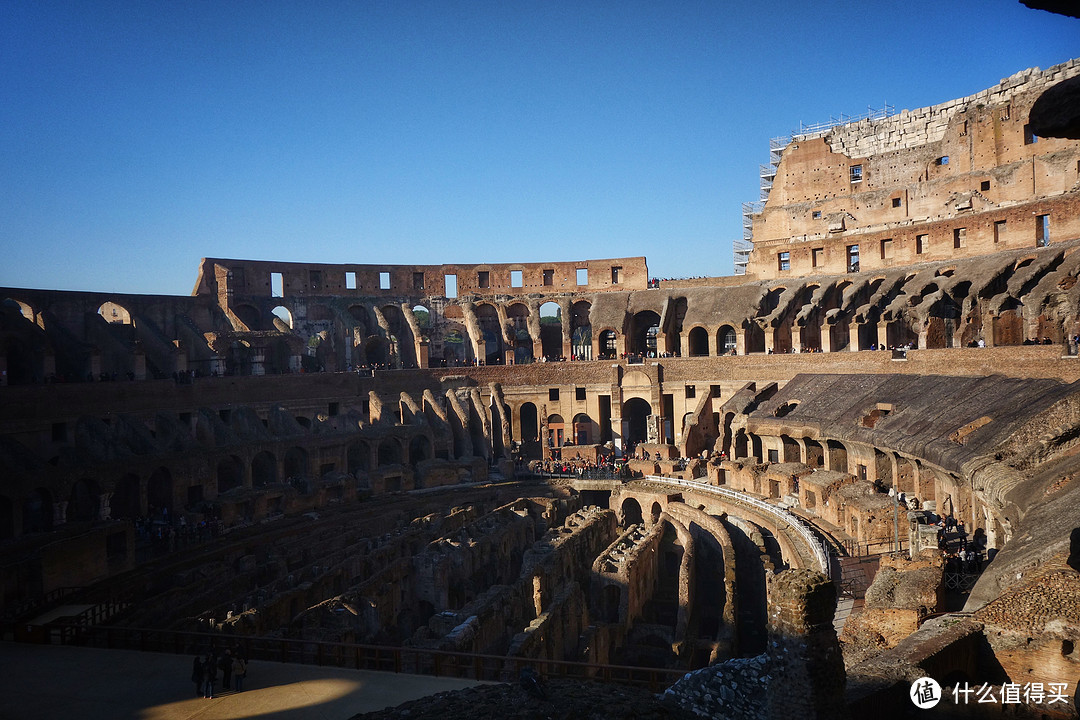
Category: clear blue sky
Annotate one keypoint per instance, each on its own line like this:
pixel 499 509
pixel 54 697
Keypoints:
pixel 137 137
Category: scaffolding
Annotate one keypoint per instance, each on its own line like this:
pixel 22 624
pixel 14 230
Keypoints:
pixel 767 173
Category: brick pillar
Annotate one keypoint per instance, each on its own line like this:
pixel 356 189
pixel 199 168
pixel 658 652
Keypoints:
pixel 804 652
pixel 740 342
pixel 853 336
pixel 770 340
pixel 796 338
pixel 883 334
pixel 826 337
pixel 424 354
pixel 988 329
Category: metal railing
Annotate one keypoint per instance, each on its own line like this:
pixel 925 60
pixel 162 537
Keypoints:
pixel 817 548
pixel 416 661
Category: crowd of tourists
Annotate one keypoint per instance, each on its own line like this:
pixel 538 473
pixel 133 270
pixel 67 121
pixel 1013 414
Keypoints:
pixel 229 665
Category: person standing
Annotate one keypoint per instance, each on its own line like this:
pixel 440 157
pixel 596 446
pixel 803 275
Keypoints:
pixel 197 675
pixel 239 670
pixel 210 676
pixel 226 670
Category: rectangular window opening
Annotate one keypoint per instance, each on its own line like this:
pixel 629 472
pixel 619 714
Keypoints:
pixel 896 202
pixel 582 276
pixel 1042 230
pixel 350 281
pixel 855 172
pixel 579 393
pixel 418 281
pixel 450 282
pixel 852 258
pixel 959 236
pixel 816 214
pixel 984 185
pixel 384 281
pixel 483 279
pixel 691 392
pixel 549 278
pixel 277 285
pixel 516 279
pixel 999 230
pixel 553 394
pixel 921 244
pixel 943 160
pixel 616 274
pixel 715 391
pixel 886 249
pixel 783 261
pixel 817 257
pixel 1030 138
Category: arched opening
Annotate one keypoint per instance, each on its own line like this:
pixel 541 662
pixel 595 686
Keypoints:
pixel 264 469
pixel 423 318
pixel 726 340
pixel 899 334
pixel 7 518
pixel 283 318
pixel 697 342
pixel 159 489
pixel 645 327
pixel 296 464
pixel 230 474
pixel 815 454
pixel 582 429
pixel 377 351
pixel 755 338
pixel 637 414
pixel 791 449
pixel 487 318
pixel 530 431
pixel 608 345
pixel 389 452
pixel 419 449
pixel 83 501
pixel 114 313
pixel 555 434
pixel 551 330
pixel 631 513
pixel 581 331
pixel 943 323
pixel 362 317
pixel 126 502
pixel 518 316
pixel 402 344
pixel 37 512
pixel 357 458
pixel 250 316
pixel 838 458
pixel 654 513
pixel 839 336
pixel 741 444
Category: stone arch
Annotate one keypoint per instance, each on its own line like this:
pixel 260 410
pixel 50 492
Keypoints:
pixel 37 511
pixel 389 452
pixel 517 314
pixel 126 501
pixel 581 330
pixel 582 429
pixel 159 489
pixel 114 313
pixel 631 513
pixel 419 449
pixel 608 344
pixel 282 318
pixel 636 413
pixel 555 431
pixel 755 338
pixel 362 316
pixel 644 327
pixel 529 426
pixel 654 513
pixel 264 469
pixel 697 342
pixel 791 449
pixel 296 464
pixel 357 458
pixel 7 518
pixel 249 315
pixel 83 501
pixel 455 349
pixel 230 474
pixel 551 330
pixel 726 340
pixel 377 351
pixel 742 444
pixel 401 343
pixel 815 454
pixel 838 456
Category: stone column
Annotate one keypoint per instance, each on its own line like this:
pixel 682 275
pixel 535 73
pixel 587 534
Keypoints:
pixel 796 338
pixel 740 342
pixel 770 340
pixel 883 334
pixel 826 337
pixel 853 336
pixel 988 329
pixel 424 354
pixel 924 333
pixel 104 509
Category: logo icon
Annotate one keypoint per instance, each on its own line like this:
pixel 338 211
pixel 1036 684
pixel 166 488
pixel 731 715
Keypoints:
pixel 925 693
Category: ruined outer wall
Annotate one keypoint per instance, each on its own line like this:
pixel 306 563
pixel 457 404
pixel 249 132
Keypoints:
pixel 958 179
pixel 221 277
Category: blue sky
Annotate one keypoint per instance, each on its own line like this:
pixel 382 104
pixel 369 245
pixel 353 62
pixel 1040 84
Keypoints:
pixel 138 137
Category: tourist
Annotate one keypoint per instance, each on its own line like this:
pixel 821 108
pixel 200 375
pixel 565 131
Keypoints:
pixel 197 675
pixel 209 676
pixel 239 670
pixel 226 666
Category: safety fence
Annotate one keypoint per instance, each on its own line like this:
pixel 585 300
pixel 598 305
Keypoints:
pixel 416 661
